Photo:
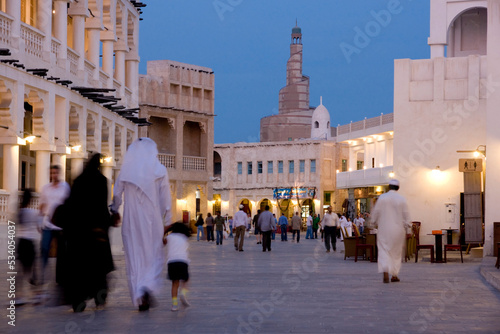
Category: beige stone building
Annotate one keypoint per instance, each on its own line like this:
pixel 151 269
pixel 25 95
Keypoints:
pixel 59 100
pixel 290 177
pixel 178 100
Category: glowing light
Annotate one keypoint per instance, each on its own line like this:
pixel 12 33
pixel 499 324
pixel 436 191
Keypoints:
pixel 364 167
pixel 391 175
pixel 378 189
pixel 337 171
pixel 76 148
pixel 476 154
pixel 350 169
pixel 30 139
pixel 381 165
pixel 107 159
pixel 391 133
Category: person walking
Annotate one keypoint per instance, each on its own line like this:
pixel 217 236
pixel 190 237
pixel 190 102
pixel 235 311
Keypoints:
pixel 176 239
pixel 27 232
pixel 52 195
pixel 329 224
pixel 283 223
pixel 199 227
pixel 266 225
pixel 219 227
pixel 209 222
pixel 143 181
pixel 309 223
pixel 360 223
pixel 392 217
pixel 273 234
pixel 230 221
pixel 256 229
pixel 86 226
pixel 296 225
pixel 240 224
pixel 315 226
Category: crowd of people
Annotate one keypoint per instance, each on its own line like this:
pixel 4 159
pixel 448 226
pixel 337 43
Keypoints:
pixel 79 219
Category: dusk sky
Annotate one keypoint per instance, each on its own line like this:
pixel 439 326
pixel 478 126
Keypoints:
pixel 246 43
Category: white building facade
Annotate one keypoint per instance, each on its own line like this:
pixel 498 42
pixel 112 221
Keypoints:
pixel 290 177
pixel 55 88
pixel 445 110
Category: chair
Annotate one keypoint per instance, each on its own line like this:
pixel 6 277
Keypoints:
pixel 416 226
pixel 411 244
pixel 362 246
pixel 349 244
pixel 454 247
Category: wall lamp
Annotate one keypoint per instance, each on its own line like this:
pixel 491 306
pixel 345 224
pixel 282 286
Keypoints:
pixel 480 150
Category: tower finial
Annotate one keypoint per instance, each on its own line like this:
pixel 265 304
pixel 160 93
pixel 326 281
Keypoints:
pixel 321 100
pixel 296 22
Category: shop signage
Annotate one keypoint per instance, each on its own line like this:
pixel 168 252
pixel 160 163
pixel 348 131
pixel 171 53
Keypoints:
pixel 293 193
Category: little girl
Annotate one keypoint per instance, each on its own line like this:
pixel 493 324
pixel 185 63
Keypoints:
pixel 178 260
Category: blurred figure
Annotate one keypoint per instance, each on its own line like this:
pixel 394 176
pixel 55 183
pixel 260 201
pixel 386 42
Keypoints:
pixel 315 225
pixel 329 226
pixel 283 222
pixel 178 261
pixel 309 223
pixel 240 223
pixel 199 226
pixel 230 221
pixel 28 221
pixel 273 235
pixel 143 181
pixel 85 228
pixel 266 226
pixel 256 230
pixel 219 227
pixel 209 222
pixel 52 195
pixel 296 225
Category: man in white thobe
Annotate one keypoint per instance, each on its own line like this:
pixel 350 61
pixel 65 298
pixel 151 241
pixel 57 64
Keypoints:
pixel 143 181
pixel 392 217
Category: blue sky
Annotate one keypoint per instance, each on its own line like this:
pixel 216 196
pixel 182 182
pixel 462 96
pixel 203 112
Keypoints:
pixel 246 43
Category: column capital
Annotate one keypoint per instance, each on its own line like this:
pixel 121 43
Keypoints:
pixel 94 23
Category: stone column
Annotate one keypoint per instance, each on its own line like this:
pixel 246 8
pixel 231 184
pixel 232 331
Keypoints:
pixel 13 8
pixel 76 167
pixel 45 25
pixel 60 160
pixel 42 169
pixel 492 196
pixel 11 174
pixel 79 39
pixel 61 29
pixel 132 80
pixel 107 60
pixel 94 44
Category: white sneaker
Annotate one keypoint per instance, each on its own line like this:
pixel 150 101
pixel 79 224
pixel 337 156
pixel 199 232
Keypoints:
pixel 175 308
pixel 184 300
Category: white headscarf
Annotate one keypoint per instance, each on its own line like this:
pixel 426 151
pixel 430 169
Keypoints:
pixel 142 167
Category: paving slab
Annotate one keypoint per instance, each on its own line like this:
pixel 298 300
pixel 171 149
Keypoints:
pixel 296 288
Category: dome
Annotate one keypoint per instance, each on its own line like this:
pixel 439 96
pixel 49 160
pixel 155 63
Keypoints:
pixel 296 30
pixel 320 126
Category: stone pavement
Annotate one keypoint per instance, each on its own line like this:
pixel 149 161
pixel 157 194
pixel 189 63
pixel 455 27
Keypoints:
pixel 296 288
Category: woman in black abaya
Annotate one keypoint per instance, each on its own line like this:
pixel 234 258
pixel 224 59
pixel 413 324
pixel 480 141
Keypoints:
pixel 89 257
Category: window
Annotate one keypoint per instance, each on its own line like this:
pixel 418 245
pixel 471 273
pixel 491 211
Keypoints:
pixel 28 12
pixel 269 167
pixel 313 166
pixel 316 125
pixel 302 166
pixel 373 162
pixel 259 167
pixel 291 167
pixel 327 198
pixel 359 165
pixel 249 168
pixel 280 167
pixel 344 165
pixel 240 168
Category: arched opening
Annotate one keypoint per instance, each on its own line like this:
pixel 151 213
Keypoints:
pixel 328 125
pixel 307 207
pixel 27 158
pixel 263 204
pixel 467 33
pixel 316 125
pixel 285 207
pixel 217 166
pixel 163 133
pixel 247 206
pixel 192 139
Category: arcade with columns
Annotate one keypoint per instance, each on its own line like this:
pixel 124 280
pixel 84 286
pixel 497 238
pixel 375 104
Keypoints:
pixel 68 88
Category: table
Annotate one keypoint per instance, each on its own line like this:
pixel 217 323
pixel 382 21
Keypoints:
pixel 449 235
pixel 439 247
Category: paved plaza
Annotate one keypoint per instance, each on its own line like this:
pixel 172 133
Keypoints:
pixel 296 288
